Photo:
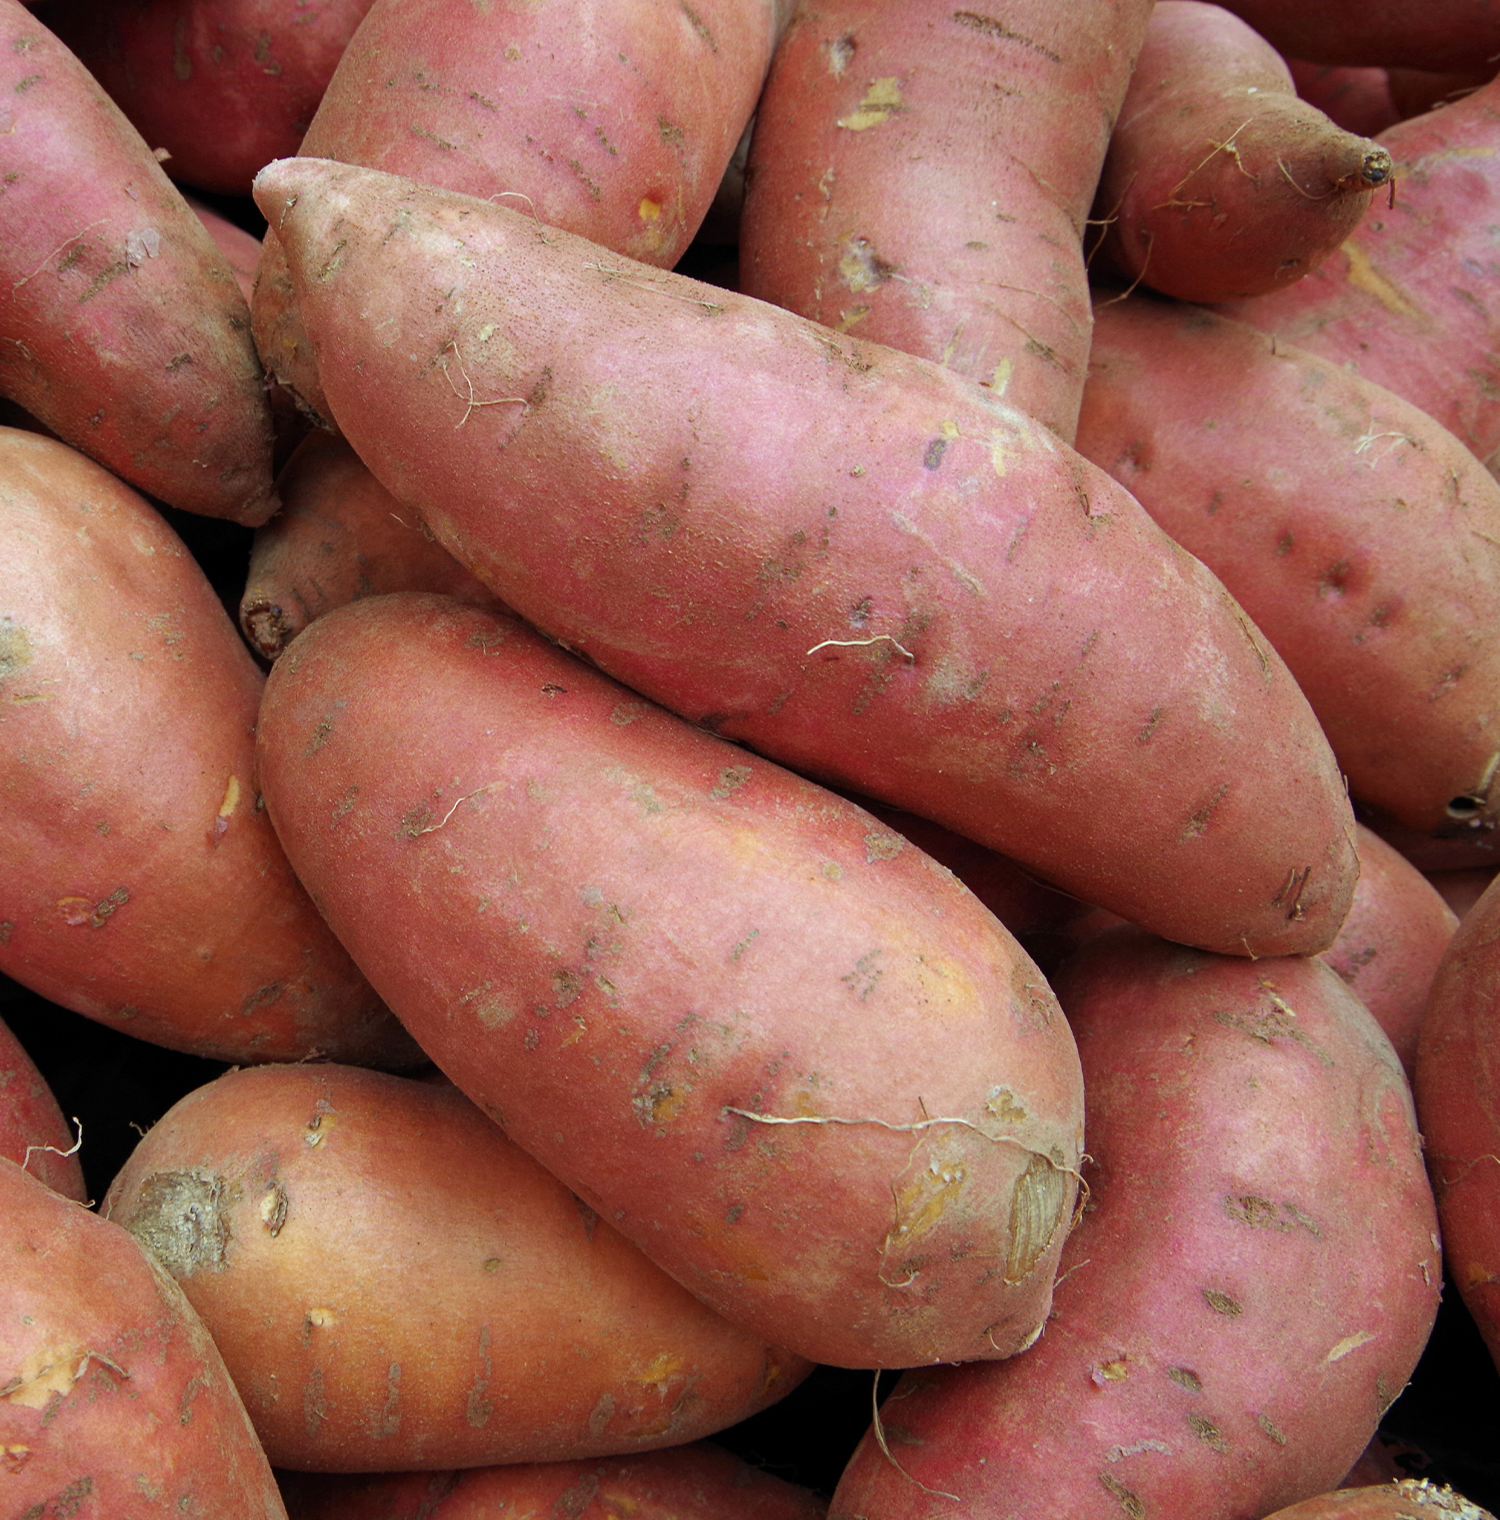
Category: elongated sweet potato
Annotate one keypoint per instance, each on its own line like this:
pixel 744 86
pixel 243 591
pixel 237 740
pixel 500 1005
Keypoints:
pixel 1220 182
pixel 920 175
pixel 614 121
pixel 224 86
pixel 1250 1285
pixel 333 1226
pixel 125 332
pixel 114 1402
pixel 1362 538
pixel 784 1052
pixel 339 535
pixel 850 558
pixel 1409 299
pixel 143 885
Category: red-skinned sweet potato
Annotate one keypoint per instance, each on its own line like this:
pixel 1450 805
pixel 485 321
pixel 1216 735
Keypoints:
pixel 114 1403
pixel 491 1317
pixel 224 86
pixel 340 535
pixel 697 1482
pixel 143 885
pixel 125 332
pixel 850 558
pixel 920 176
pixel 613 121
pixel 784 1052
pixel 1435 34
pixel 33 1133
pixel 1407 1499
pixel 1251 1283
pixel 1358 99
pixel 1362 539
pixel 1220 182
pixel 1408 301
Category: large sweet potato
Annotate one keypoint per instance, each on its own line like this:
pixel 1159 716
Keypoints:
pixel 850 558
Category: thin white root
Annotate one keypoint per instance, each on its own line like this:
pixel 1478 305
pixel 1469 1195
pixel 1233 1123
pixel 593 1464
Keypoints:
pixel 72 1150
pixel 531 207
pixel 520 401
pixel 713 308
pixel 880 1441
pixel 40 267
pixel 850 643
pixel 432 828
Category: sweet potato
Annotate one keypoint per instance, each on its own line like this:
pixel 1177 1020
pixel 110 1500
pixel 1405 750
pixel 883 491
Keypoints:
pixel 1362 539
pixel 1358 99
pixel 1435 34
pixel 1409 299
pixel 850 558
pixel 558 1339
pixel 1408 1499
pixel 340 535
pixel 224 86
pixel 1250 1286
pixel 784 1052
pixel 920 176
pixel 114 1403
pixel 697 1482
pixel 33 1133
pixel 1220 182
pixel 125 333
pixel 143 884
pixel 613 121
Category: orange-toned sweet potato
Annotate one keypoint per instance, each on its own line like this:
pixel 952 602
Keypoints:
pixel 1220 182
pixel 125 332
pixel 920 175
pixel 335 1227
pixel 143 885
pixel 224 86
pixel 780 1049
pixel 340 535
pixel 613 121
pixel 114 1403
pixel 1251 1283
pixel 697 1482
pixel 848 557
pixel 1362 539
pixel 33 1133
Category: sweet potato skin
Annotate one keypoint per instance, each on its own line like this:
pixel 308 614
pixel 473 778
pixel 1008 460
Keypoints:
pixel 1252 1281
pixel 144 887
pixel 1362 538
pixel 867 568
pixel 785 1053
pixel 127 335
pixel 33 1133
pixel 559 1339
pixel 116 1406
pixel 920 176
pixel 1438 34
pixel 1220 183
pixel 1407 1499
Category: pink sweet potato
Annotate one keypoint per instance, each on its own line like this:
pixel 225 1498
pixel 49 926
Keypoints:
pixel 394 1284
pixel 124 330
pixel 780 1049
pixel 850 558
pixel 1220 182
pixel 143 884
pixel 1250 1286
pixel 114 1402
pixel 920 175
pixel 33 1132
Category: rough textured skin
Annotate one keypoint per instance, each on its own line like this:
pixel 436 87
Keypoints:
pixel 1409 299
pixel 920 175
pixel 849 558
pixel 143 885
pixel 340 536
pixel 615 121
pixel 224 86
pixel 1220 183
pixel 697 1482
pixel 784 1052
pixel 394 1284
pixel 114 1403
pixel 1457 1088
pixel 33 1133
pixel 1251 1284
pixel 125 332
pixel 1362 539
pixel 1435 34
pixel 1407 1499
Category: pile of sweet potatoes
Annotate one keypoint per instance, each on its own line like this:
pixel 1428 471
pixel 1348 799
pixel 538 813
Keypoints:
pixel 871 705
